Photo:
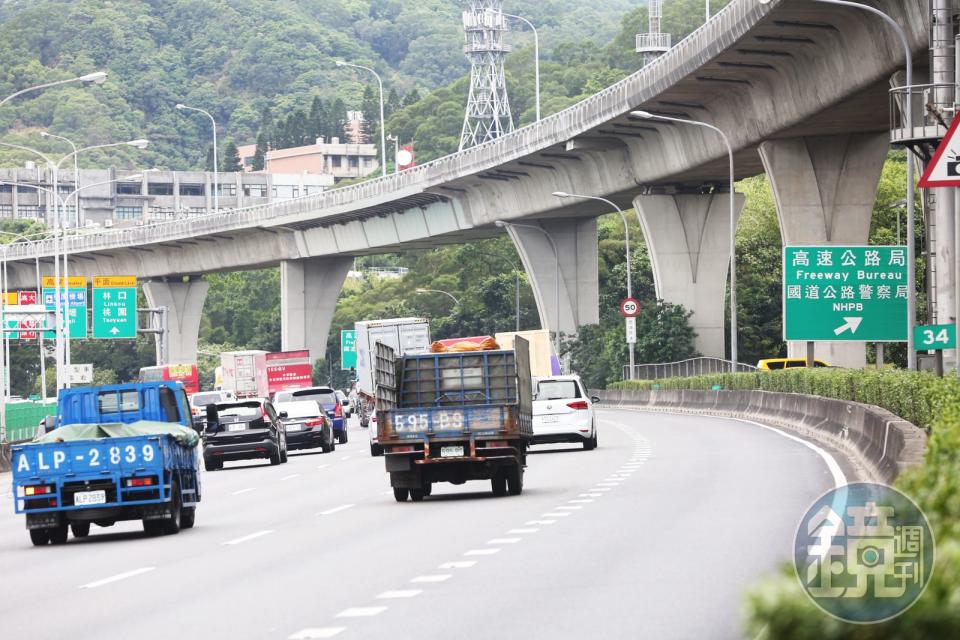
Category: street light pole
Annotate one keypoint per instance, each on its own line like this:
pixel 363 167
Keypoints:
pixel 97 77
pixel 383 125
pixel 446 293
pixel 536 54
pixel 216 158
pixel 503 224
pixel 733 221
pixel 626 235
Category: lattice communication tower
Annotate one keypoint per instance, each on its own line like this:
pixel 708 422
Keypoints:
pixel 653 43
pixel 488 107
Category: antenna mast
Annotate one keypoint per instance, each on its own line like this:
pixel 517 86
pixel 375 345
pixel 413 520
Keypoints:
pixel 488 107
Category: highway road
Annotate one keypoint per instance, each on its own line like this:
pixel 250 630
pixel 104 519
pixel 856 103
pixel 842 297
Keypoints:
pixel 653 535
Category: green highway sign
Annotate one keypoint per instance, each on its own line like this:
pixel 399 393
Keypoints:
pixel 934 337
pixel 114 307
pixel 11 327
pixel 348 349
pixel 845 293
pixel 74 299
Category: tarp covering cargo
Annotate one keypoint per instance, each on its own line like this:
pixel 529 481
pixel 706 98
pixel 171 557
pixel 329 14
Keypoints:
pixel 461 345
pixel 184 436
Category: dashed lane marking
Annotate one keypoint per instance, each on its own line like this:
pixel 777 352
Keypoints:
pixel 252 536
pixel 316 634
pixel 395 595
pixel 242 491
pixel 117 578
pixel 523 530
pixel 290 477
pixel 437 577
pixel 481 552
pixel 504 540
pixel 361 612
pixel 458 564
pixel 330 512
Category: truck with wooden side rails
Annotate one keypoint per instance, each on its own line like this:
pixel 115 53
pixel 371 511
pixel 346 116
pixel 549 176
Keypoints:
pixel 454 416
pixel 112 453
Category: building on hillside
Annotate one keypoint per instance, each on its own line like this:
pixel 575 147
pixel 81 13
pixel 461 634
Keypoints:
pixel 157 195
pixel 341 160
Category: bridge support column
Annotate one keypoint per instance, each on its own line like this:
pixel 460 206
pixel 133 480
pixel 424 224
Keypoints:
pixel 309 290
pixel 825 188
pixel 576 243
pixel 184 303
pixel 688 236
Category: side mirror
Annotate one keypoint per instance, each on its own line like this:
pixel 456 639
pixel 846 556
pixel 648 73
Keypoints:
pixel 283 414
pixel 595 399
pixel 49 423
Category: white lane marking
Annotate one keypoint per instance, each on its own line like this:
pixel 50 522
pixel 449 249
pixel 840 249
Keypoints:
pixel 316 634
pixel 394 595
pixel 361 612
pixel 117 578
pixel 323 466
pixel 582 501
pixel 558 513
pixel 540 522
pixel 839 478
pixel 601 489
pixel 437 577
pixel 345 457
pixel 570 507
pixel 608 484
pixel 504 540
pixel 342 507
pixel 590 495
pixel 247 490
pixel 290 477
pixel 252 536
pixel 523 530
pixel 458 564
pixel 481 552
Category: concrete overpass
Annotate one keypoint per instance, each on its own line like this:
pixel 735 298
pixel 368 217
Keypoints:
pixel 801 88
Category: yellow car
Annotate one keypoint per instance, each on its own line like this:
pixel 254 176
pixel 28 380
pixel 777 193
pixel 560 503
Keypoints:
pixel 775 364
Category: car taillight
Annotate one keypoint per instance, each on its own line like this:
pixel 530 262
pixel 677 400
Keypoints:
pixel 37 490
pixel 138 482
pixel 579 404
pixel 195 411
pixel 338 411
pixel 314 423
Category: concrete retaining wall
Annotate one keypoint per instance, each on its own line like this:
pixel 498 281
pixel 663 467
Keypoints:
pixel 879 443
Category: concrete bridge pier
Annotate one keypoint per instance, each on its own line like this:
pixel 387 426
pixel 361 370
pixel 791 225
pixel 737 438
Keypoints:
pixel 184 302
pixel 576 243
pixel 825 188
pixel 309 290
pixel 688 236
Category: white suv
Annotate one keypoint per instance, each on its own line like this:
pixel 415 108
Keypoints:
pixel 562 412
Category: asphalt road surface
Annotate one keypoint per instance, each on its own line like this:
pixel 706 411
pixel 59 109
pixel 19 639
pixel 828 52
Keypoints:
pixel 655 534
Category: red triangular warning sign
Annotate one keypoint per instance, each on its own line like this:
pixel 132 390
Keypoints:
pixel 944 169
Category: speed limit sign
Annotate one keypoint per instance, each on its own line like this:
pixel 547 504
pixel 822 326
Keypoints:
pixel 630 308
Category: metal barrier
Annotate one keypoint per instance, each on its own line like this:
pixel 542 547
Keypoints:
pixel 928 123
pixel 685 368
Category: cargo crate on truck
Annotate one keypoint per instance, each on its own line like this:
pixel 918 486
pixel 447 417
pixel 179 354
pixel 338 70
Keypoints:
pixel 454 417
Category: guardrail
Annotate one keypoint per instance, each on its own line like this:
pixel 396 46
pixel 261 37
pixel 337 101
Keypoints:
pixel 927 124
pixel 722 30
pixel 683 368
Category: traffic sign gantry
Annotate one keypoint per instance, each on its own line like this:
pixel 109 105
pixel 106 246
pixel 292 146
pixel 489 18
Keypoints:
pixel 852 293
pixel 934 337
pixel 115 307
pixel 629 307
pixel 73 294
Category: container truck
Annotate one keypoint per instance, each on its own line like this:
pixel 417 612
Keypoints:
pixel 244 373
pixel 403 335
pixel 454 417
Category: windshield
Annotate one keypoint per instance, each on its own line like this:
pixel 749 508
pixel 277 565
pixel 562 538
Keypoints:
pixel 246 411
pixel 557 390
pixel 299 409
pixel 325 398
pixel 203 399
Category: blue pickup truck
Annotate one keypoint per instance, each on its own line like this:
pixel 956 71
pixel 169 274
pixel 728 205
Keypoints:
pixel 116 452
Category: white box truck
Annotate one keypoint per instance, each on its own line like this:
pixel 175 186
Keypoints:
pixel 403 335
pixel 244 373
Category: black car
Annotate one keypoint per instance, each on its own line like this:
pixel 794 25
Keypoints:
pixel 242 430
pixel 307 425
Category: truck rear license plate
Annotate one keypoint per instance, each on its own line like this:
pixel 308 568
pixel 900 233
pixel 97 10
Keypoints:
pixel 236 427
pixel 451 452
pixel 84 498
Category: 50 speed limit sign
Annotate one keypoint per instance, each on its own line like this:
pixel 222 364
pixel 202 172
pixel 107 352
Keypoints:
pixel 630 308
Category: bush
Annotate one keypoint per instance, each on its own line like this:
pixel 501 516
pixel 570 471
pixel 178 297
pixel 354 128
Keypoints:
pixel 777 607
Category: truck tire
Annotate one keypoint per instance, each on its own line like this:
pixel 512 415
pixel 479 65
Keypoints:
pixel 188 516
pixel 515 480
pixel 58 534
pixel 80 529
pixel 499 483
pixel 400 495
pixel 376 450
pixel 39 537
pixel 417 495
pixel 172 524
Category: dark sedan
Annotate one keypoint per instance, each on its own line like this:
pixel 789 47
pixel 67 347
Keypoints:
pixel 307 425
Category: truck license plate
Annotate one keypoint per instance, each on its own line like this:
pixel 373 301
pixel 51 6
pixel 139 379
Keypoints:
pixel 451 452
pixel 84 498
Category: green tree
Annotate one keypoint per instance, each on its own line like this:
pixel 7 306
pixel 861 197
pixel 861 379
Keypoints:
pixel 260 154
pixel 231 158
